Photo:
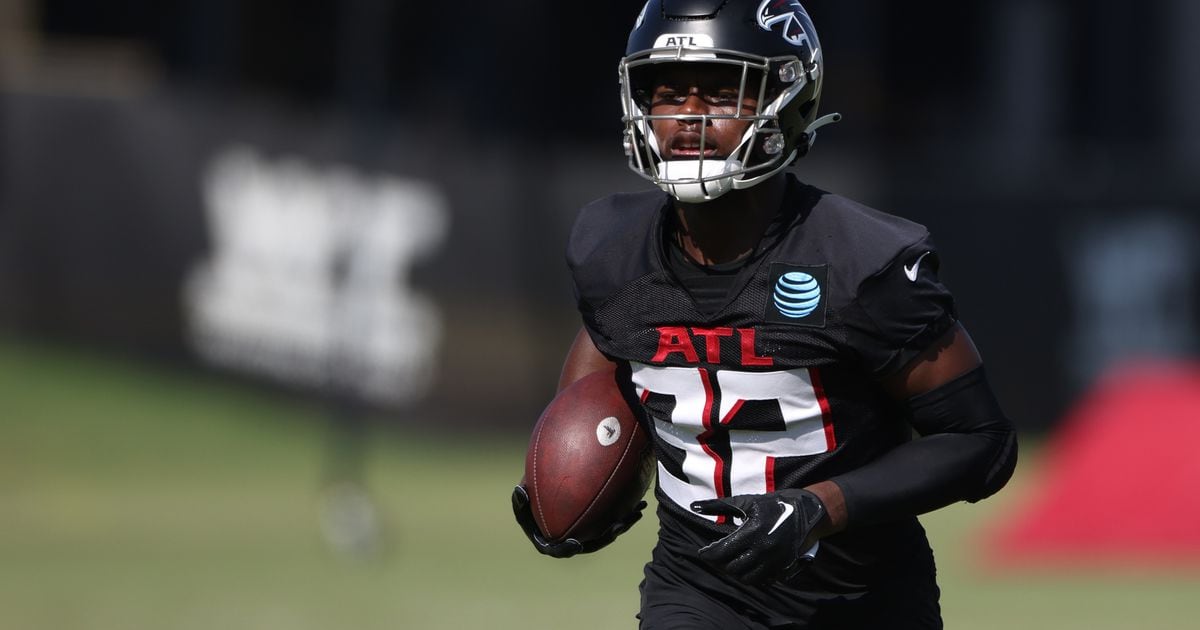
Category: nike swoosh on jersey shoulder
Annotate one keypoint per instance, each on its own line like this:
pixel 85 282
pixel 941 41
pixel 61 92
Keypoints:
pixel 911 272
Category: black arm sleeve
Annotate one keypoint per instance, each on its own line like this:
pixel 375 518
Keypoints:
pixel 967 451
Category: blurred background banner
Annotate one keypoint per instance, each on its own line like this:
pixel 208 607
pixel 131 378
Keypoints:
pixel 1115 490
pixel 364 204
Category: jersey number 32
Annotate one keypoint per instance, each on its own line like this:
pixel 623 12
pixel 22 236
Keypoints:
pixel 731 426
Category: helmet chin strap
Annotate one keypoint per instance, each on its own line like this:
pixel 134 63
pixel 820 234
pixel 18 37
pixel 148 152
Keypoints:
pixel 713 176
pixel 699 191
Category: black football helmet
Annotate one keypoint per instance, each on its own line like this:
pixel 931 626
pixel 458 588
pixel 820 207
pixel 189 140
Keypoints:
pixel 775 46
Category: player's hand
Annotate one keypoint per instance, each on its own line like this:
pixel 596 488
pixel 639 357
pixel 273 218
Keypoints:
pixel 570 546
pixel 772 540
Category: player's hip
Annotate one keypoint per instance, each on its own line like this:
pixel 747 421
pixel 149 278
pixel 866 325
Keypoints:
pixel 843 589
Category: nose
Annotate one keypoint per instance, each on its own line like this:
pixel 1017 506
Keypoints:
pixel 694 104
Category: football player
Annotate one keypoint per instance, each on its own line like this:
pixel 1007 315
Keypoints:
pixel 801 367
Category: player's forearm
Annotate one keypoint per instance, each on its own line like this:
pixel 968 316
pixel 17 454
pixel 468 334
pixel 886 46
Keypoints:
pixel 968 452
pixel 834 500
pixel 926 474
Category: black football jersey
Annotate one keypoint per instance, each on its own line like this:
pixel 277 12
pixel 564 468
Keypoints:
pixel 778 385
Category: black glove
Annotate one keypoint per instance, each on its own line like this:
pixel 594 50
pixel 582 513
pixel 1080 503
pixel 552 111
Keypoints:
pixel 569 546
pixel 770 543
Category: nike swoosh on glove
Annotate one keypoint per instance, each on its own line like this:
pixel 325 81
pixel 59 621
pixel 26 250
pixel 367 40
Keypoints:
pixel 770 543
pixel 570 546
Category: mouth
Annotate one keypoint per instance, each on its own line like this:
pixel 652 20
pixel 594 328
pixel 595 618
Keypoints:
pixel 687 146
pixel 691 151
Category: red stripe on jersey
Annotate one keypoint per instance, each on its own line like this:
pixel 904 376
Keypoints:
pixel 770 474
pixel 732 412
pixel 645 395
pixel 708 398
pixel 719 467
pixel 826 417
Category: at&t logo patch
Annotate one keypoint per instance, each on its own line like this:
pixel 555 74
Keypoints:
pixel 798 295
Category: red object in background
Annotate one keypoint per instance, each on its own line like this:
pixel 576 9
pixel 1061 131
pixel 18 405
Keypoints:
pixel 1120 482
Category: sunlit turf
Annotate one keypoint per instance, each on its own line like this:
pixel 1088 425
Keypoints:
pixel 134 496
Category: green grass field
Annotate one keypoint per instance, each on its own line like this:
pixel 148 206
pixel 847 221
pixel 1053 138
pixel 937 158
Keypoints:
pixel 134 497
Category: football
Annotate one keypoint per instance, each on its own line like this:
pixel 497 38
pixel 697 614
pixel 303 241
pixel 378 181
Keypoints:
pixel 589 461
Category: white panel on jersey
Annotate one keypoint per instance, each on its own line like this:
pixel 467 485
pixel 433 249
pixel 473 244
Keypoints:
pixel 687 423
pixel 804 435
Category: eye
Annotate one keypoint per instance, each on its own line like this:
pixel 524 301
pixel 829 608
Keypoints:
pixel 726 97
pixel 668 95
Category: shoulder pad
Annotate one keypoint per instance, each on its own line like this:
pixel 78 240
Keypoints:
pixel 612 243
pixel 857 242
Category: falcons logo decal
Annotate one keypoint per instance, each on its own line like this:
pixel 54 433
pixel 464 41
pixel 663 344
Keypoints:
pixel 788 13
